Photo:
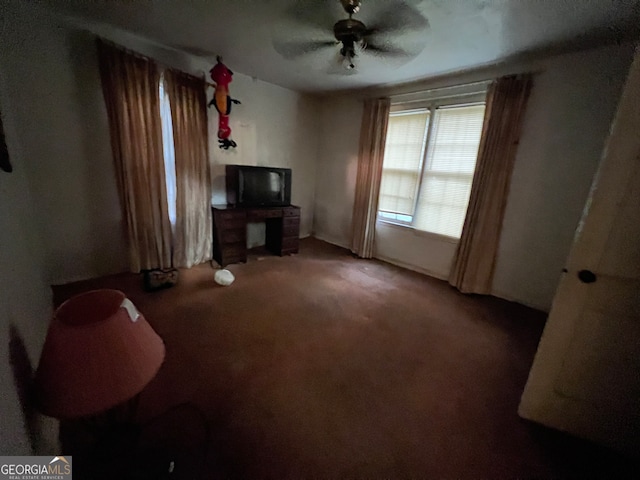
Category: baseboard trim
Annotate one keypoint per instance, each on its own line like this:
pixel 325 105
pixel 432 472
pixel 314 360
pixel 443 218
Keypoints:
pixel 510 298
pixel 433 274
pixel 330 240
pixel 413 268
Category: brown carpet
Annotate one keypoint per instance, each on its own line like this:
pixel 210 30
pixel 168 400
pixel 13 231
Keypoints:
pixel 321 365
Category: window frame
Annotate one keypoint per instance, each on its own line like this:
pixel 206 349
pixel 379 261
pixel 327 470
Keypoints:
pixel 431 104
pixel 423 156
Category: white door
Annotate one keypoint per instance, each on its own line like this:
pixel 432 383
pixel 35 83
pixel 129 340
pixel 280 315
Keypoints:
pixel 585 377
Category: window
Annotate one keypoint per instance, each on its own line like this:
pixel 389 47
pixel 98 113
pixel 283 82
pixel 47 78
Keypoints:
pixel 168 151
pixel 429 160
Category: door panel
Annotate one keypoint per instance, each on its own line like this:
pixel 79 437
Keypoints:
pixel 621 256
pixel 585 378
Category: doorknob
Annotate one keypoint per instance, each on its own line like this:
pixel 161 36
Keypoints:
pixel 587 276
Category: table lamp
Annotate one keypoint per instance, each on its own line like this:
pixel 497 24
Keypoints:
pixel 99 353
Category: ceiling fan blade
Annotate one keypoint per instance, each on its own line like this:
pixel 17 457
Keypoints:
pixel 313 14
pixel 387 50
pixel 398 17
pixel 291 50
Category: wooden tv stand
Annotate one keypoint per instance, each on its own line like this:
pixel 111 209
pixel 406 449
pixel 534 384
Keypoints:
pixel 230 231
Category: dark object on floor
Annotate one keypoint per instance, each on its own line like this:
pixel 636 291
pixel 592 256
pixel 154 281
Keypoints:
pixel 158 279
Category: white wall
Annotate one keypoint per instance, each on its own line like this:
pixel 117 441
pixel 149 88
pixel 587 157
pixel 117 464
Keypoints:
pixel 567 121
pixel 61 122
pixel 337 168
pixel 415 250
pixel 568 116
pixel 25 299
pixel 52 72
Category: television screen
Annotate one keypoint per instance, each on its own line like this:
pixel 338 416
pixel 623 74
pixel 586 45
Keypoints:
pixel 261 186
pixel 253 186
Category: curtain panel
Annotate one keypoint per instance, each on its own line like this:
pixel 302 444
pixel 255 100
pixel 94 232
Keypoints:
pixel 373 135
pixel 475 259
pixel 193 233
pixel 130 87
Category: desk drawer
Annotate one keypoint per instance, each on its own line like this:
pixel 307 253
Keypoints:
pixel 224 216
pixel 291 212
pixel 290 230
pixel 261 214
pixel 287 221
pixel 234 259
pixel 234 250
pixel 237 235
pixel 290 242
pixel 232 219
pixel 232 223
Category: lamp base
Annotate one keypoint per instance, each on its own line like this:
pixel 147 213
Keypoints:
pixel 173 445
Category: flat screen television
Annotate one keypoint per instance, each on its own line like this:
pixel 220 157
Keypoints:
pixel 258 186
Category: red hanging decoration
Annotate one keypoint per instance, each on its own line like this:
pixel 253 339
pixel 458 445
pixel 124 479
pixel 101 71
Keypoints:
pixel 222 77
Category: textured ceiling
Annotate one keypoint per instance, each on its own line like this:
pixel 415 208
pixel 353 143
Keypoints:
pixel 461 34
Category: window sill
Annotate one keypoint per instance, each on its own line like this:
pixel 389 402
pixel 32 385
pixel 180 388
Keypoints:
pixel 419 233
pixel 392 223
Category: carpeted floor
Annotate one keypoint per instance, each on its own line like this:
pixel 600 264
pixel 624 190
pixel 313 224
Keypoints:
pixel 321 365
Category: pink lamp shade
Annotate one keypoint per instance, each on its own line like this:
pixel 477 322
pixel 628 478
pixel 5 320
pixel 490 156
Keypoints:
pixel 99 352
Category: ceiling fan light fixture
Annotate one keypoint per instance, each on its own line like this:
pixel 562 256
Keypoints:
pixel 348 51
pixel 350 33
pixel 347 62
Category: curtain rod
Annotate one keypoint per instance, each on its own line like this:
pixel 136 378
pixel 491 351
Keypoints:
pixel 449 87
pixel 133 53
pixel 146 58
pixel 463 85
pixel 439 97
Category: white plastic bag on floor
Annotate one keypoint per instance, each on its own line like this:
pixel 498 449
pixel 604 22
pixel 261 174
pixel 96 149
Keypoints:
pixel 224 277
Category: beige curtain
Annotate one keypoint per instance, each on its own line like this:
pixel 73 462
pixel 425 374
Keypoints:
pixel 193 233
pixel 474 264
pixel 130 86
pixel 373 134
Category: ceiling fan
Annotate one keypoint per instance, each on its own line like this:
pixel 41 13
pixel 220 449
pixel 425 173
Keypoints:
pixel 389 36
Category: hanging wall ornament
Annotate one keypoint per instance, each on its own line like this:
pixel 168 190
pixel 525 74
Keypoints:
pixel 222 77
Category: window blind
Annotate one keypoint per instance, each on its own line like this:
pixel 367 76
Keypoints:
pixel 448 170
pixel 405 144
